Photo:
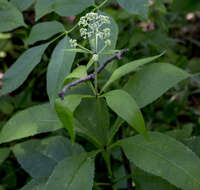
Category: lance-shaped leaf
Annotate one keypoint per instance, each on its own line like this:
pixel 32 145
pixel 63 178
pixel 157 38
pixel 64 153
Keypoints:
pixel 10 16
pixel 137 7
pixel 73 173
pixel 58 68
pixel 39 157
pixel 127 68
pixel 19 71
pixel 65 109
pixel 31 121
pixel 44 30
pixel 92 120
pixel 165 157
pixel 21 4
pixel 125 107
pixel 62 7
pixel 154 80
pixel 90 63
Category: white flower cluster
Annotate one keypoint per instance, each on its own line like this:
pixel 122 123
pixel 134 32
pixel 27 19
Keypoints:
pixel 92 24
pixel 73 43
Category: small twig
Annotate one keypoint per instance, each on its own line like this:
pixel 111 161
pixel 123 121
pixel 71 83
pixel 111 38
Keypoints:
pixel 92 75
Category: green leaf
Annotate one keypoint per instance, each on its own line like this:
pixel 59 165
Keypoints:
pixel 165 157
pixel 62 7
pixel 119 172
pixel 136 7
pixel 90 63
pixel 10 17
pixel 39 157
pixel 34 185
pixel 151 75
pixel 44 30
pixel 4 153
pixel 81 89
pixel 92 120
pixel 73 173
pixel 181 134
pixel 31 121
pixel 6 105
pixel 150 182
pixel 71 8
pixel 19 71
pixel 193 143
pixel 125 106
pixel 114 128
pixel 65 109
pixel 128 68
pixel 42 7
pixel 58 68
pixel 154 80
pixel 33 161
pixel 21 4
pixel 77 73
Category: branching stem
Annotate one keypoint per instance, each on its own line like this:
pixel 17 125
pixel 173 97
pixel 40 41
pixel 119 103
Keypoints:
pixel 92 75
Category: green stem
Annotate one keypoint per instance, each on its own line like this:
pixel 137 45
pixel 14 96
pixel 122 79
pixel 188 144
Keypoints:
pixel 96 77
pixel 106 156
pixel 102 184
pixel 84 48
pixel 92 87
pixel 101 5
pixel 73 28
pixel 95 65
pixel 102 49
pixel 59 36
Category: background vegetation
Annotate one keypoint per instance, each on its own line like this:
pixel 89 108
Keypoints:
pixel 171 26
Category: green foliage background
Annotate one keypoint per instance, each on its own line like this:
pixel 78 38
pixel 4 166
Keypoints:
pixel 31 148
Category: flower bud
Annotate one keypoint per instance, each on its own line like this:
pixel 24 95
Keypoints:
pixel 95 57
pixel 73 43
pixel 108 43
